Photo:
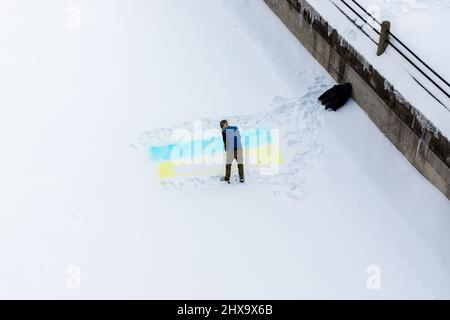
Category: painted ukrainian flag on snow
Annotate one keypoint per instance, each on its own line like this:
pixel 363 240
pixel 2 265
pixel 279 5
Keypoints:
pixel 207 156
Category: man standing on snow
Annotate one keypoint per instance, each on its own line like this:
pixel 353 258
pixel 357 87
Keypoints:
pixel 233 148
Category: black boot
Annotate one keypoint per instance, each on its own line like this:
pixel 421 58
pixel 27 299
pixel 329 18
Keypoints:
pixel 225 179
pixel 241 173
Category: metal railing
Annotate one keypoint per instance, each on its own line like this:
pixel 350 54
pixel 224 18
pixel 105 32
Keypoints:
pixel 399 47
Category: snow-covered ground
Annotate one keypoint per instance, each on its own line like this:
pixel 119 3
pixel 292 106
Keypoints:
pixel 83 213
pixel 421 26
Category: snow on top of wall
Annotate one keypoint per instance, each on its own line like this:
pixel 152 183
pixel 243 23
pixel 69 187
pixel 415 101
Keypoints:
pixel 420 24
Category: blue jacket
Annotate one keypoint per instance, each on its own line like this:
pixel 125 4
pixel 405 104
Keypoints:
pixel 231 138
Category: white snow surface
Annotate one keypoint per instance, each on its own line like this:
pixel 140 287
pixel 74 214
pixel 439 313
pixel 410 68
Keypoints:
pixel 422 25
pixel 80 107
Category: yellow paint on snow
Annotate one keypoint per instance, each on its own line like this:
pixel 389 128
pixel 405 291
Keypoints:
pixel 254 157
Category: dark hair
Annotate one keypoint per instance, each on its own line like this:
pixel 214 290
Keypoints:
pixel 223 123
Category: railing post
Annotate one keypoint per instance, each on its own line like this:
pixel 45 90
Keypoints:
pixel 384 37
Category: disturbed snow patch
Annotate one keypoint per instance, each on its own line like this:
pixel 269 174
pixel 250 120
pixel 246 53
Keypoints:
pixel 298 121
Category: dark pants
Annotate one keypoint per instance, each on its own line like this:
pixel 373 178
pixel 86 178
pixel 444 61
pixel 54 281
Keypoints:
pixel 237 155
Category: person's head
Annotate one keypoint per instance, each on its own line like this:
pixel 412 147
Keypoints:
pixel 223 124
